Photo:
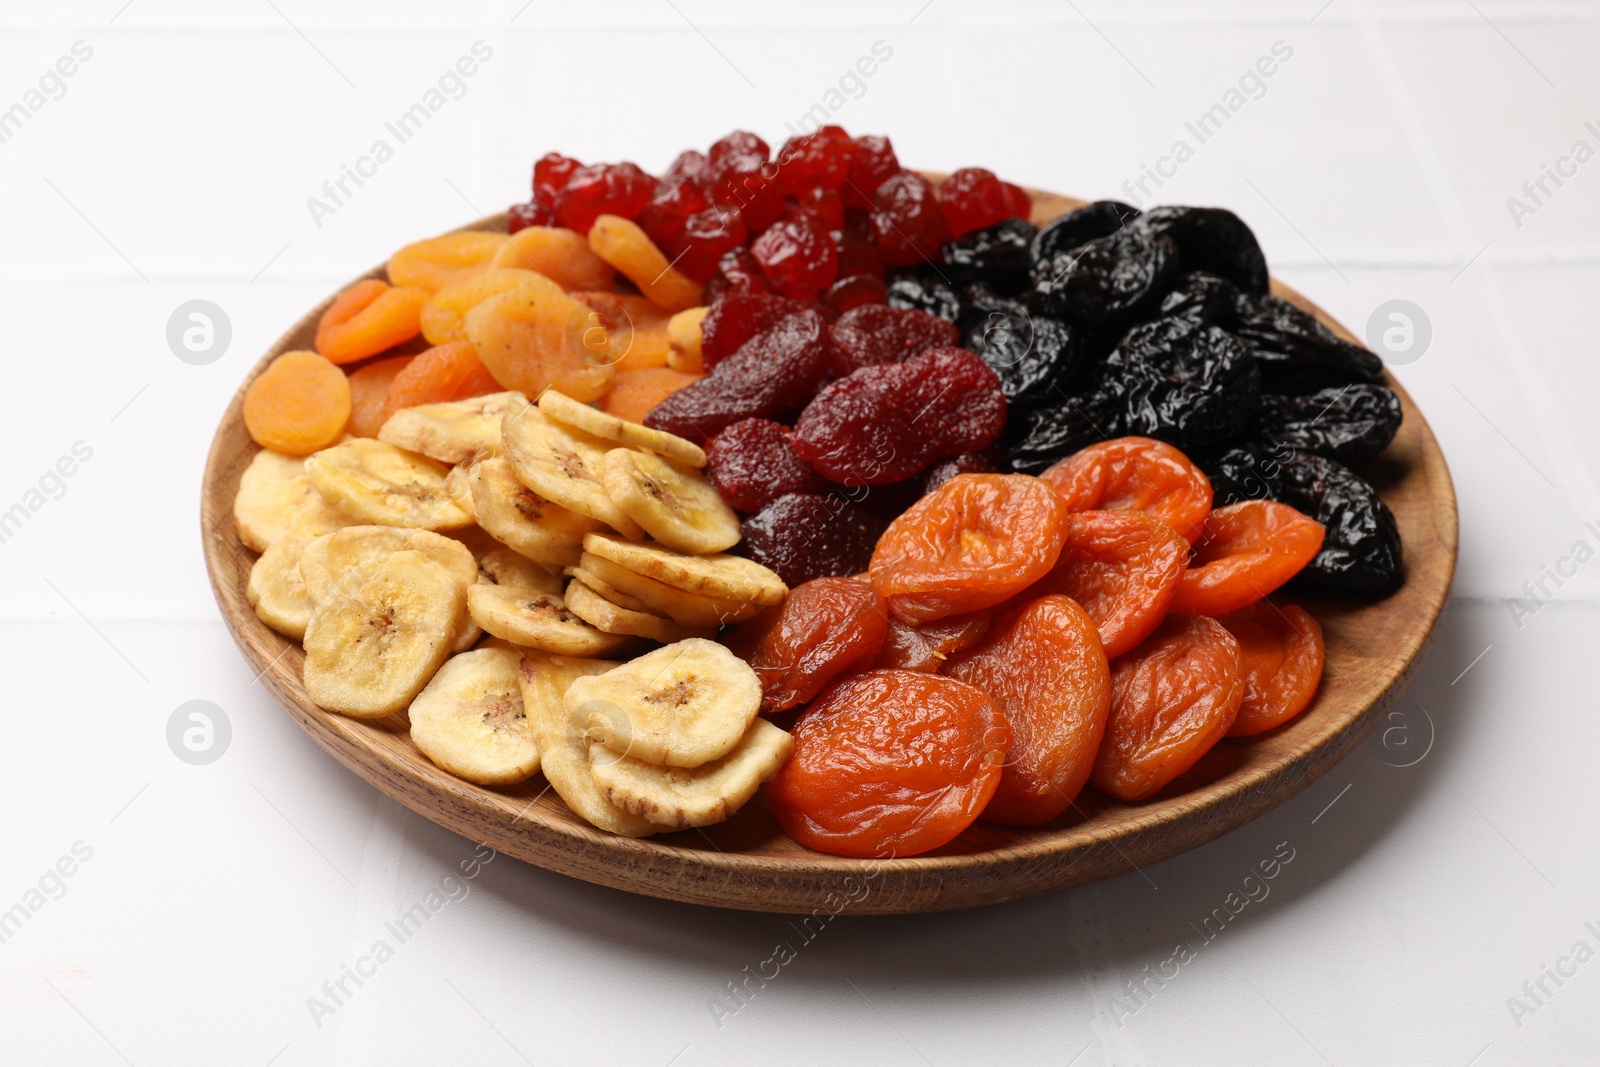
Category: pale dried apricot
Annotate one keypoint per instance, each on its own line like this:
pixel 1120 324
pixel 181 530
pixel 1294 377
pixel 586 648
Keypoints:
pixel 444 318
pixel 637 328
pixel 629 249
pixel 635 392
pixel 445 260
pixel 369 387
pixel 368 318
pixel 298 405
pixel 536 337
pixel 562 255
pixel 683 335
pixel 437 376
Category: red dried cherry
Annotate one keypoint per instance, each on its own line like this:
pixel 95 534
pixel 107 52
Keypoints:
pixel 603 189
pixel 857 290
pixel 797 256
pixel 692 165
pixel 872 161
pixel 815 160
pixel 974 199
pixel 737 272
pixel 907 223
pixel 669 210
pixel 706 238
pixel 550 175
pixel 533 213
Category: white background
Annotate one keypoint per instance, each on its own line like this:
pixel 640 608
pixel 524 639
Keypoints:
pixel 218 899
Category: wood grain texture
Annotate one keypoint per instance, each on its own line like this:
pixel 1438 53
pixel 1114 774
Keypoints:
pixel 1372 651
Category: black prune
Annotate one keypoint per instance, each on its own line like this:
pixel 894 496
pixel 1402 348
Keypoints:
pixel 1202 298
pixel 1038 438
pixel 1110 279
pixel 1298 354
pixel 1030 353
pixel 1351 424
pixel 1360 553
pixel 924 292
pixel 1000 256
pixel 1244 472
pixel 1090 222
pixel 1211 239
pixel 1192 386
pixel 806 535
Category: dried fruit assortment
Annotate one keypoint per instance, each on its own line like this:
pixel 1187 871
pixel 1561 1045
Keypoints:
pixel 803 469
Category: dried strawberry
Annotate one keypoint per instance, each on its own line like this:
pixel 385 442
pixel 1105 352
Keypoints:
pixel 889 421
pixel 973 199
pixel 669 210
pixel 550 175
pixel 770 377
pixel 907 223
pixel 858 290
pixel 737 272
pixel 603 189
pixel 872 161
pixel 815 160
pixel 735 318
pixel 797 256
pixel 533 213
pixel 753 462
pixel 881 334
pixel 805 536
pixel 692 165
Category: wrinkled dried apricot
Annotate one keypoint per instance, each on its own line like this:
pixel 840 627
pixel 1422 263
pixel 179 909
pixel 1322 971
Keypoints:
pixel 1172 698
pixel 823 629
pixel 1123 567
pixel 626 247
pixel 444 318
pixel 1044 667
pixel 889 763
pixel 927 647
pixel 1135 474
pixel 298 405
pixel 637 328
pixel 972 543
pixel 562 255
pixel 369 387
pixel 1248 550
pixel 635 392
pixel 369 317
pixel 536 337
pixel 444 260
pixel 1282 656
pixel 439 375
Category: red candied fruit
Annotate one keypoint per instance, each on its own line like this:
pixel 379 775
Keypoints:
pixel 675 201
pixel 872 161
pixel 603 189
pixel 886 422
pixel 692 165
pixel 857 253
pixel 804 536
pixel 881 334
pixel 815 160
pixel 769 377
pixel 735 318
pixel 533 213
pixel 856 290
pixel 752 463
pixel 907 222
pixel 797 256
pixel 550 175
pixel 743 177
pixel 737 272
pixel 822 205
pixel 707 237
pixel 738 143
pixel 974 199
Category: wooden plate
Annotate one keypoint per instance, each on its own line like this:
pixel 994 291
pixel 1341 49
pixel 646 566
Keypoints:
pixel 1372 651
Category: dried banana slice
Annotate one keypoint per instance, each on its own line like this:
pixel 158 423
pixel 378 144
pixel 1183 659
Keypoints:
pixel 611 618
pixel 678 797
pixel 452 432
pixel 512 570
pixel 728 577
pixel 682 705
pixel 530 619
pixel 563 748
pixel 469 719
pixel 689 609
pixel 599 423
pixel 606 589
pixel 275 589
pixel 563 465
pixel 329 558
pixel 376 482
pixel 673 503
pixel 271 490
pixel 516 516
pixel 381 635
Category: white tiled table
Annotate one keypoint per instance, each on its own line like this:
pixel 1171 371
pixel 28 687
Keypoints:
pixel 216 900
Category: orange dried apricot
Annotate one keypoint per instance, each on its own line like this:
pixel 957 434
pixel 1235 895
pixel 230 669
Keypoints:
pixel 925 648
pixel 629 249
pixel 536 337
pixel 635 392
pixel 444 318
pixel 1248 550
pixel 1123 567
pixel 437 376
pixel 369 386
pixel 1282 656
pixel 562 255
pixel 1044 667
pixel 637 328
pixel 445 260
pixel 889 763
pixel 369 317
pixel 972 543
pixel 824 628
pixel 1135 474
pixel 684 335
pixel 1172 698
pixel 298 405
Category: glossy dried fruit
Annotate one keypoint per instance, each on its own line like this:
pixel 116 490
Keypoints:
pixel 708 238
pixel 1204 299
pixel 635 393
pixel 439 375
pixel 974 198
pixel 1123 567
pixel 690 164
pixel 551 173
pixel 368 387
pixel 820 159
pixel 635 326
pixel 872 162
pixel 907 223
pixel 1297 353
pixel 560 254
pixel 753 462
pixel 889 764
pixel 1035 439
pixel 1110 279
pixel 945 469
pixel 621 243
pixel 929 293
pixel 444 318
pixel 1351 424
pixel 1246 552
pixel 538 337
pixel 857 290
pixel 1044 668
pixel 1194 386
pixel 368 318
pixel 1361 553
pixel 298 405
pixel 797 256
pixel 736 317
pixel 1136 474
pixel 1080 226
pixel 826 628
pixel 1211 239
pixel 532 213
pixel 878 334
pixel 972 543
pixel 998 256
pixel 857 253
pixel 1033 355
pixel 805 536
pixel 769 377
pixel 1172 699
pixel 436 262
pixel 926 648
pixel 1281 657
pixel 889 421
pixel 673 203
pixel 603 189
pixel 823 206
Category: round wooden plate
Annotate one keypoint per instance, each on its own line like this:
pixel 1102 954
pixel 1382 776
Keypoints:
pixel 748 863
